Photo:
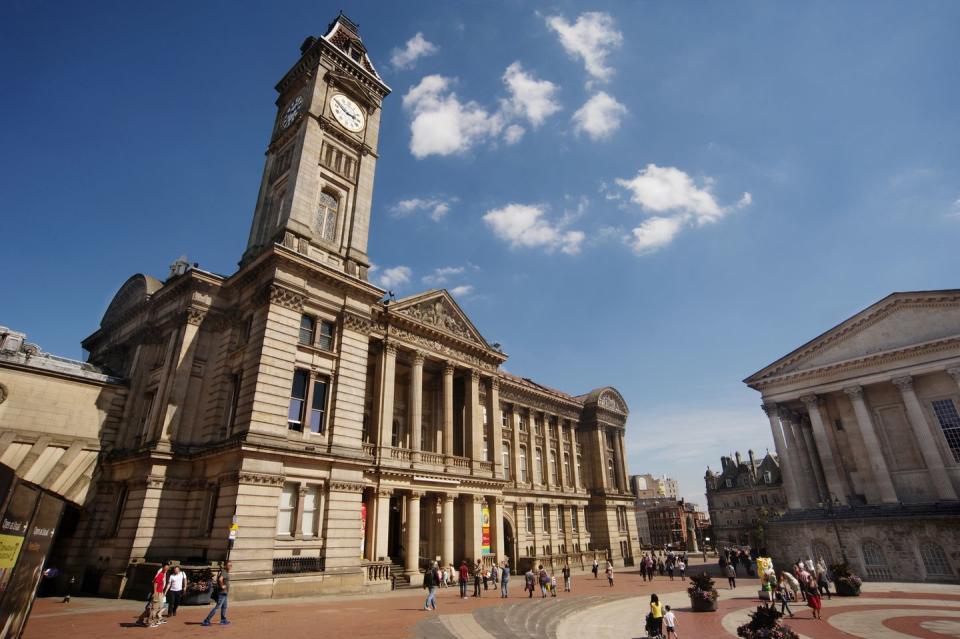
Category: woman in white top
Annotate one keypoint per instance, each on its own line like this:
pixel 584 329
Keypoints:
pixel 176 586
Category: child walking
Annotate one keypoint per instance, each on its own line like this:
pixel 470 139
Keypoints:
pixel 670 621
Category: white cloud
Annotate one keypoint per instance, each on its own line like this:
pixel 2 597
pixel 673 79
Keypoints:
pixel 442 125
pixel 461 291
pixel 529 98
pixel 591 38
pixel 677 201
pixel 524 226
pixel 599 117
pixel 415 48
pixel 654 233
pixel 441 275
pixel 436 207
pixel 513 133
pixel 394 277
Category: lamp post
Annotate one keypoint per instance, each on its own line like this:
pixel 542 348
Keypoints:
pixel 831 506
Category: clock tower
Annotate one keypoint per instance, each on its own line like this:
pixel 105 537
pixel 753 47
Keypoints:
pixel 316 192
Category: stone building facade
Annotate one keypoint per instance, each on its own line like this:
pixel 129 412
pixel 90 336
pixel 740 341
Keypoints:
pixel 325 438
pixel 742 497
pixel 648 486
pixel 866 423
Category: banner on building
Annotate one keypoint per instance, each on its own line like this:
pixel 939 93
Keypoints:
pixel 485 530
pixel 363 528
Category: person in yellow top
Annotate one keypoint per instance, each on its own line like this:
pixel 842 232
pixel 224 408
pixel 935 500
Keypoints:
pixel 656 617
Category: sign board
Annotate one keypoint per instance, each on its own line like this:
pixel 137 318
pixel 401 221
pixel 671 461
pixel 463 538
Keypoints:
pixel 485 530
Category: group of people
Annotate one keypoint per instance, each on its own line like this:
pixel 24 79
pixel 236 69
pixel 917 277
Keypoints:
pixel 167 589
pixel 661 618
pixel 805 580
pixel 498 574
pixel 671 564
pixel 608 571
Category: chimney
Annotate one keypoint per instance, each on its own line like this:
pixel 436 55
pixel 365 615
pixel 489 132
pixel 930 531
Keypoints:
pixel 737 455
pixel 753 464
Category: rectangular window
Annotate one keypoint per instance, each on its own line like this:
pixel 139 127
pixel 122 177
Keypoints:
pixel 235 381
pixel 486 418
pixel 503 419
pixel 538 467
pixel 529 518
pixel 505 458
pixel 546 518
pixel 311 510
pixel 325 335
pixel 561 524
pixel 298 397
pixel 538 427
pixel 575 517
pixel 838 424
pixel 318 405
pixel 286 512
pixel 307 327
pixel 946 412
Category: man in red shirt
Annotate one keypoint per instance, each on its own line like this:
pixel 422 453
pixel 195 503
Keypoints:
pixel 156 596
pixel 464 577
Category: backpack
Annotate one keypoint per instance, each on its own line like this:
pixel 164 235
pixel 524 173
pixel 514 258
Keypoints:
pixel 215 588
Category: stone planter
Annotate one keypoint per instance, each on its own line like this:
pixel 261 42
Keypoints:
pixel 195 598
pixel 699 604
pixel 845 589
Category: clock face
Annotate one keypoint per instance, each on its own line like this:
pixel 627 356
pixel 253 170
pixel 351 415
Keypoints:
pixel 292 112
pixel 347 112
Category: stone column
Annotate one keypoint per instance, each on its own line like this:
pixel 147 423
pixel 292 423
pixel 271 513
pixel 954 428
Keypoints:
pixel 531 448
pixel 448 411
pixel 878 465
pixel 622 461
pixel 783 456
pixel 811 448
pixel 496 428
pixel 473 447
pixel 382 524
pixel 298 524
pixel 955 374
pixel 601 441
pixel 412 543
pixel 447 516
pixel 472 522
pixel 835 483
pixel 561 469
pixel 388 371
pixel 802 470
pixel 416 406
pixel 573 456
pixel 926 439
pixel 548 472
pixel 496 529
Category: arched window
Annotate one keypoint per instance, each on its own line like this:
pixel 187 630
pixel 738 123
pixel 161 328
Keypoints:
pixel 874 563
pixel 505 457
pixel 523 463
pixel 327 210
pixel 580 467
pixel 611 473
pixel 822 551
pixel 567 470
pixel 935 561
pixel 538 469
pixel 553 468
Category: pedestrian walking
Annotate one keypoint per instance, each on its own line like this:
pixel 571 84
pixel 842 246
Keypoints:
pixel 609 572
pixel 655 623
pixel 485 575
pixel 783 595
pixel 221 590
pixel 464 576
pixel 731 576
pixel 476 579
pixel 156 599
pixel 813 597
pixel 529 582
pixel 431 579
pixel 682 567
pixel 504 580
pixel 595 569
pixel 553 585
pixel 823 584
pixel 670 621
pixel 566 577
pixel 176 584
pixel 544 580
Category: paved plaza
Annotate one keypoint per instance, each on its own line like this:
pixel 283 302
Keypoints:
pixel 883 611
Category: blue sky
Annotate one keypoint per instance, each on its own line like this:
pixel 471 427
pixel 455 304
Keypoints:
pixel 663 197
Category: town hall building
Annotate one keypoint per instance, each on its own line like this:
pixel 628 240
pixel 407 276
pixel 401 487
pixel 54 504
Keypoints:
pixel 323 436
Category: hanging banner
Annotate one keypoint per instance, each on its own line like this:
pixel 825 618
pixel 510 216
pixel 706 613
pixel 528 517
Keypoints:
pixel 485 530
pixel 363 528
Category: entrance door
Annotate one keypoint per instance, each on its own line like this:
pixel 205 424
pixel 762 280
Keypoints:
pixel 510 543
pixel 395 540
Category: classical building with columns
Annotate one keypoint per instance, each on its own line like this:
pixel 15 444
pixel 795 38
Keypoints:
pixel 866 424
pixel 323 436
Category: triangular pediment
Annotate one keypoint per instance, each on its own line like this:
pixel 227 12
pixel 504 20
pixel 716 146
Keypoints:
pixel 438 310
pixel 898 321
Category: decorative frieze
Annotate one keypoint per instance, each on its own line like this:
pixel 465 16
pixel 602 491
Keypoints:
pixel 250 477
pixel 346 487
pixel 439 315
pixel 438 347
pixel 281 296
pixel 357 323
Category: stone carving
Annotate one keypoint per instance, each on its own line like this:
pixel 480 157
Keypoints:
pixel 3 393
pixel 357 323
pixel 811 401
pixel 282 297
pixel 904 383
pixel 438 347
pixel 248 477
pixel 611 402
pixel 855 392
pixel 346 487
pixel 194 315
pixel 438 314
pixel 955 374
pixel 770 409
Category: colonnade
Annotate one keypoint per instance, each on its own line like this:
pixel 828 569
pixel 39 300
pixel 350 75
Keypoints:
pixel 812 470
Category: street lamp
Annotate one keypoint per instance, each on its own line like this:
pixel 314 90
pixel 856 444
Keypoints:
pixel 831 506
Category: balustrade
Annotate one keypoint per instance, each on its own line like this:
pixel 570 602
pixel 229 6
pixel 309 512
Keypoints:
pixel 378 571
pixel 403 454
pixel 368 449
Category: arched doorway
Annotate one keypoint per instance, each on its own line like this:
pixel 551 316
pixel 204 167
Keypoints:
pixel 510 543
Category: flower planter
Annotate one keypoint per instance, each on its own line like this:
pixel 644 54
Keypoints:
pixel 845 589
pixel 199 598
pixel 699 604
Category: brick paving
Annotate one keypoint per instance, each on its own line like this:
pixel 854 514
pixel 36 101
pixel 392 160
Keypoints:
pixel 893 611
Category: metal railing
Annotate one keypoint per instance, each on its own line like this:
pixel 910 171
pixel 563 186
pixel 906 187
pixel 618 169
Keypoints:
pixel 298 565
